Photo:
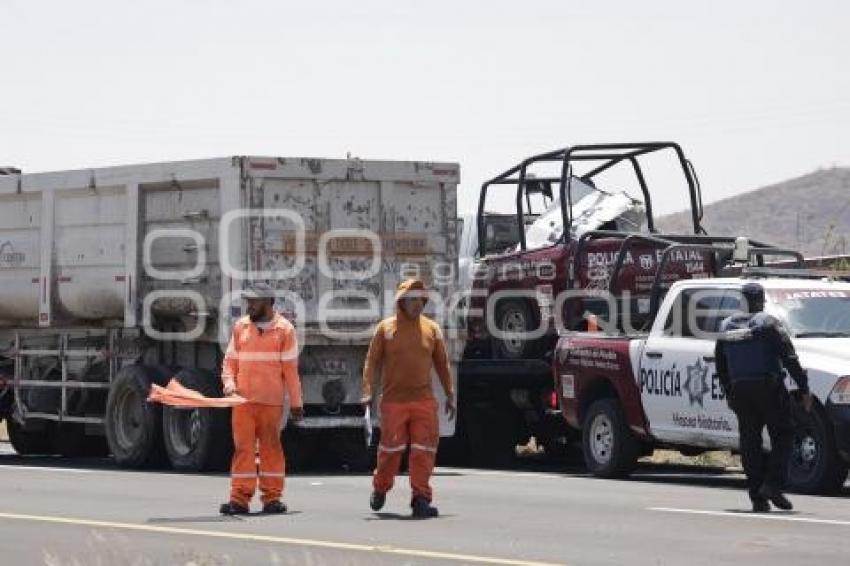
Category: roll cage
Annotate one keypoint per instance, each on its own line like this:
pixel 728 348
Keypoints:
pixel 608 155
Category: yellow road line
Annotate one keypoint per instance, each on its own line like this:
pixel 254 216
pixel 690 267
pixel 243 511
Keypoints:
pixel 382 549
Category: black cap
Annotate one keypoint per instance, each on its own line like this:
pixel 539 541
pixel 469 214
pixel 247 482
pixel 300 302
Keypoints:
pixel 753 291
pixel 258 291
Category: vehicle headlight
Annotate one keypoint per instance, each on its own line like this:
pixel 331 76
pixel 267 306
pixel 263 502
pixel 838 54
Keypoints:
pixel 840 394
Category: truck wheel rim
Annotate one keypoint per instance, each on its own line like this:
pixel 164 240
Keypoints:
pixel 601 438
pixel 129 419
pixel 184 430
pixel 513 327
pixel 805 452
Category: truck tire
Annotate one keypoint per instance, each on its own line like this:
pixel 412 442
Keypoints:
pixel 815 466
pixel 610 448
pixel 513 316
pixel 30 442
pixel 198 439
pixel 134 426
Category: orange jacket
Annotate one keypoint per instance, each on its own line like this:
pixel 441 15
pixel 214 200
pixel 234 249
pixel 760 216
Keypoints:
pixel 263 365
pixel 406 349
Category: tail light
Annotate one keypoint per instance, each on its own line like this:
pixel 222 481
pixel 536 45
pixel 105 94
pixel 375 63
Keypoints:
pixel 840 394
pixel 553 400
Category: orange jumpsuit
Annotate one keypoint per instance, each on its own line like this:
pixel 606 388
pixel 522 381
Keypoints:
pixel 264 367
pixel 406 349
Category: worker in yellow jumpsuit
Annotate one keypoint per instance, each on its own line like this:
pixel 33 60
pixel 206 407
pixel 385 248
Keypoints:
pixel 406 347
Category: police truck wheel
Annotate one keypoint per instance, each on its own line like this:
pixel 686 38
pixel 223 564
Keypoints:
pixel 30 442
pixel 610 448
pixel 133 426
pixel 513 319
pixel 198 439
pixel 815 466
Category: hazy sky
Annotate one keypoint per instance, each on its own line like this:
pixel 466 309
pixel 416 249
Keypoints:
pixel 756 91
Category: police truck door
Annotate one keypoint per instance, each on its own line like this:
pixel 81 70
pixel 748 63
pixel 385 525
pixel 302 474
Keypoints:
pixel 676 377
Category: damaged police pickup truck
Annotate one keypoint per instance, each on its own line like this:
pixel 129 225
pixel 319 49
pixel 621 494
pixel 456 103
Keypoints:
pixel 631 391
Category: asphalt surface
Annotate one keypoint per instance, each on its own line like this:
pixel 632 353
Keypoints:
pixel 56 512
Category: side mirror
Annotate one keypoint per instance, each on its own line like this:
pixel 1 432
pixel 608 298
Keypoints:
pixel 537 186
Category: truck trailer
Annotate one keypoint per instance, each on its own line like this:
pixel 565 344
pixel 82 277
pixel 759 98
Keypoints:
pixel 115 278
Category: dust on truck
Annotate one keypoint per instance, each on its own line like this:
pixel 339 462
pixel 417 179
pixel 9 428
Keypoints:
pixel 112 279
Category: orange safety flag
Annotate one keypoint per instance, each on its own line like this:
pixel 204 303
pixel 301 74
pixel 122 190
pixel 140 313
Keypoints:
pixel 175 395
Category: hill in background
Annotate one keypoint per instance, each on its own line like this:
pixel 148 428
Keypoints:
pixel 810 214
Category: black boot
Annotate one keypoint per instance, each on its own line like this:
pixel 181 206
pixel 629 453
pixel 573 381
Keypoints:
pixel 274 507
pixel 376 502
pixel 775 496
pixel 760 505
pixel 422 508
pixel 232 508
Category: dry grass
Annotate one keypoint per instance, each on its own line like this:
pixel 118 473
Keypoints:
pixel 529 450
pixel 714 459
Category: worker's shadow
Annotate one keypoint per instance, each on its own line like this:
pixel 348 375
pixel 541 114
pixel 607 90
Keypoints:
pixel 402 517
pixel 217 518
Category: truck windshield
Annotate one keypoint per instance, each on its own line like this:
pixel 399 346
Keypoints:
pixel 813 313
pixel 593 209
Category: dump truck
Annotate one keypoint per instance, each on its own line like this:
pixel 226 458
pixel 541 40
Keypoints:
pixel 115 278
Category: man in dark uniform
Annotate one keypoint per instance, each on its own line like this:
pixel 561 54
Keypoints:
pixel 750 353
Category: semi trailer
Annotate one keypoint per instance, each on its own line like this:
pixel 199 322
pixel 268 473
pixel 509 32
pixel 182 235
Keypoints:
pixel 115 278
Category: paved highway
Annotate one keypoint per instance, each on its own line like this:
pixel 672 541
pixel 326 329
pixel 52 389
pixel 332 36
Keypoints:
pixel 54 512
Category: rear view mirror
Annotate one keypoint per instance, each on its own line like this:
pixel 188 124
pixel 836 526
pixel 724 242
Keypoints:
pixel 537 186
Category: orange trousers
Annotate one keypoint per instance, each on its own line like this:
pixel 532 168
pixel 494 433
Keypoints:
pixel 253 425
pixel 416 423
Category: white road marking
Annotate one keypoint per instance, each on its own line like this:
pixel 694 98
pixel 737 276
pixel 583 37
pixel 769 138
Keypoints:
pixel 296 479
pixel 758 516
pixel 382 549
pixel 47 469
pixel 505 473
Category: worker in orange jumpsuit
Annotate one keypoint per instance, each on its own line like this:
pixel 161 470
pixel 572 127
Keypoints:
pixel 261 365
pixel 405 347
